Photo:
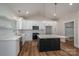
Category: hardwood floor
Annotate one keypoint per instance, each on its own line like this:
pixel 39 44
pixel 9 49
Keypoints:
pixel 67 49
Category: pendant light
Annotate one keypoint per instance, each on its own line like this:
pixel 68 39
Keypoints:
pixel 55 9
pixel 55 12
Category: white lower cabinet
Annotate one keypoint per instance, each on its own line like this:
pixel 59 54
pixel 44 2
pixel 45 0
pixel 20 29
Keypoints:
pixel 9 47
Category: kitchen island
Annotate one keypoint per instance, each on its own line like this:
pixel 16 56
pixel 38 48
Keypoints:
pixel 48 42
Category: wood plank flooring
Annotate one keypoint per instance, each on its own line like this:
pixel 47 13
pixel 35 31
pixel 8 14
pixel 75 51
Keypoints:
pixel 67 49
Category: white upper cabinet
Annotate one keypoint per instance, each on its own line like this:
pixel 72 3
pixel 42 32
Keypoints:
pixel 7 23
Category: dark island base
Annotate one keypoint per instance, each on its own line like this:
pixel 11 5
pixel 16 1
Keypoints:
pixel 52 44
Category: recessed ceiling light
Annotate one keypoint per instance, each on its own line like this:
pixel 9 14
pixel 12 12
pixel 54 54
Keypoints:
pixel 27 12
pixel 70 3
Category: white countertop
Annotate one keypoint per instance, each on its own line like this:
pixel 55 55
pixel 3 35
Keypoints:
pixel 10 38
pixel 51 36
pixel 10 35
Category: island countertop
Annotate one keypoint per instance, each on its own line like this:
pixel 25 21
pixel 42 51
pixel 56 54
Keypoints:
pixel 51 36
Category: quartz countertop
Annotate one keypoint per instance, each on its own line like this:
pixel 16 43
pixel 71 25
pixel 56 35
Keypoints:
pixel 10 37
pixel 51 36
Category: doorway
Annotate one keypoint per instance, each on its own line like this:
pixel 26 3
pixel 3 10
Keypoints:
pixel 69 32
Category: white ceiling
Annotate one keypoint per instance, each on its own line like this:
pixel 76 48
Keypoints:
pixel 62 9
pixel 43 9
